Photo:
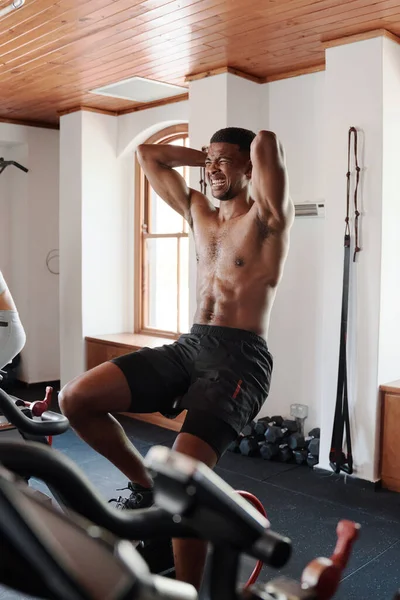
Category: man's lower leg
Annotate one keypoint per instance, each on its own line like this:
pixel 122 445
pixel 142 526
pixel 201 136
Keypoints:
pixel 87 402
pixel 190 555
pixel 107 436
pixel 190 558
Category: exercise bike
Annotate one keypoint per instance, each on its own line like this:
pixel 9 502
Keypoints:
pixel 191 501
pixel 34 422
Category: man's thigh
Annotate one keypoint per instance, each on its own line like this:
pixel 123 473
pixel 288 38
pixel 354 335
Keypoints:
pixel 155 378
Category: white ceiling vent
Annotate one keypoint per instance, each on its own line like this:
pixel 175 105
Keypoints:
pixel 309 209
pixel 138 89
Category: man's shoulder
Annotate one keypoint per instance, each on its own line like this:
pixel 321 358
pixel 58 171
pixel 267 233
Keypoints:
pixel 200 205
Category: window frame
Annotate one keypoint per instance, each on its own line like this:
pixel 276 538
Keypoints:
pixel 165 136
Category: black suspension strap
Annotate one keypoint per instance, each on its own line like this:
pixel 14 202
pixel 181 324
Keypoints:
pixel 6 163
pixel 339 461
pixel 203 181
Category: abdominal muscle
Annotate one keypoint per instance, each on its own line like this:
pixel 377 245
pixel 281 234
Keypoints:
pixel 245 305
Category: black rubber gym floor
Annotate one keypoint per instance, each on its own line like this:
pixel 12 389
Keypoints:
pixel 302 504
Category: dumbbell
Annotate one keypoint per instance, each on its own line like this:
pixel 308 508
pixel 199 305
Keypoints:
pixel 312 439
pixel 285 454
pixel 263 424
pixel 249 429
pixel 313 447
pixel 315 433
pixel 312 460
pixel 249 446
pixel 300 456
pixel 313 452
pixel 260 429
pixel 296 441
pixel 275 434
pixel 276 420
pixel 268 451
pixel 264 420
pixel 235 445
pixel 290 425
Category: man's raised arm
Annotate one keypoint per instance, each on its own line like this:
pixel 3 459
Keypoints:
pixel 270 187
pixel 158 162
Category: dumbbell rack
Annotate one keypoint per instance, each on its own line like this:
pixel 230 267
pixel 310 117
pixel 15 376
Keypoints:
pixel 276 438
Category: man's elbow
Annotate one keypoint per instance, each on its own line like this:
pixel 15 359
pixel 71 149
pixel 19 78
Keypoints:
pixel 265 138
pixel 142 152
pixel 267 142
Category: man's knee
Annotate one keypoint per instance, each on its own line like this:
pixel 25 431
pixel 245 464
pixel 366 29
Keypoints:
pixel 192 446
pixel 104 389
pixel 73 403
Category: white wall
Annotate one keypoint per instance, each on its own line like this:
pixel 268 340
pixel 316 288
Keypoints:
pixel 20 249
pixel 353 98
pixel 389 337
pixel 105 228
pixel 5 207
pixel 244 108
pixel 43 200
pixel 94 231
pixel 224 100
pixel 32 223
pixel 295 331
pixel 134 128
pixel 70 227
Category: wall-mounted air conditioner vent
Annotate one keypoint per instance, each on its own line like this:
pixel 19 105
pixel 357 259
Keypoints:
pixel 310 209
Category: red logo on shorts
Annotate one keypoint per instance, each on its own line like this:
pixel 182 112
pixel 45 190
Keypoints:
pixel 239 385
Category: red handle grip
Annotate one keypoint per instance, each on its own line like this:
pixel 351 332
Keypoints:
pixel 40 406
pixel 324 574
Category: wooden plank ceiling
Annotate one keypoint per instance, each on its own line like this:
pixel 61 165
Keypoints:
pixel 53 53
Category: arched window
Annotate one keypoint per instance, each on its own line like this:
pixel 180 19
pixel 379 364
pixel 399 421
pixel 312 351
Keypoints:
pixel 161 253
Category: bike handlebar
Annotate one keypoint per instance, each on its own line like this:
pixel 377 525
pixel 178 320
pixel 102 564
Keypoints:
pixel 241 527
pixel 48 423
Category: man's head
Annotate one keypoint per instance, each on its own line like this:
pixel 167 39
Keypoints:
pixel 228 165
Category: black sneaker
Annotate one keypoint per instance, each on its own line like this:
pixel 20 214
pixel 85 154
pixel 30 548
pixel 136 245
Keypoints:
pixel 140 497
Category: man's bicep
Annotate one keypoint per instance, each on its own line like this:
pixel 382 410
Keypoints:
pixel 169 185
pixel 270 183
pixel 271 191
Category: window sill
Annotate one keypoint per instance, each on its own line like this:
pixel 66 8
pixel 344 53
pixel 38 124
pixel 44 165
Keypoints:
pixel 130 340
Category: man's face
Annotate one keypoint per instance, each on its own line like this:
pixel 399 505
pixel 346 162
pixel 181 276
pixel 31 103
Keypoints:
pixel 228 170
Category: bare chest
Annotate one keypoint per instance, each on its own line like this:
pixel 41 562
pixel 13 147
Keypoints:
pixel 232 245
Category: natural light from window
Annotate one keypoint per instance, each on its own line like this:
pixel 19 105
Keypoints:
pixel 166 263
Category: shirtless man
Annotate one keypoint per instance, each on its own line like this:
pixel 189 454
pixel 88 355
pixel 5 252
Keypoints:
pixel 12 334
pixel 222 368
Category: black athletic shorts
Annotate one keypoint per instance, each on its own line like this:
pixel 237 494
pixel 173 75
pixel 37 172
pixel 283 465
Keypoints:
pixel 221 375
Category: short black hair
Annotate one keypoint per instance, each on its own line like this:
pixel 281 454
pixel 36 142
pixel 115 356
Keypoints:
pixel 234 135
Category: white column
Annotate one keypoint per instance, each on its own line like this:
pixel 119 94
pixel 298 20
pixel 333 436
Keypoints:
pixel 94 236
pixel 389 335
pixel 105 228
pixel 295 112
pixel 71 185
pixel 362 90
pixel 216 102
